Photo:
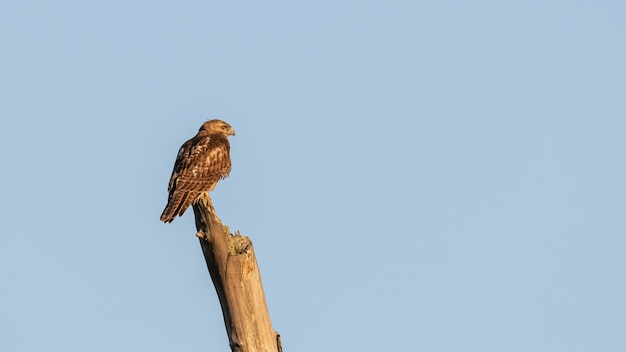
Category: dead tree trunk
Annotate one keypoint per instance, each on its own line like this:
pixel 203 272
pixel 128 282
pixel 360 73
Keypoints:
pixel 237 280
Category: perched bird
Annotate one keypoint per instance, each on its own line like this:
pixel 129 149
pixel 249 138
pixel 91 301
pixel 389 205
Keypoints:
pixel 201 162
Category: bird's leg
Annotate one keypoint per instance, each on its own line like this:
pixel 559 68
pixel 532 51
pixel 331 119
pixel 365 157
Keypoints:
pixel 209 203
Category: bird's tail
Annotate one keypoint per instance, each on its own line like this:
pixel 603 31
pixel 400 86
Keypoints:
pixel 177 203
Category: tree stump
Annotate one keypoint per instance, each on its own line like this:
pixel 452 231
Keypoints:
pixel 235 274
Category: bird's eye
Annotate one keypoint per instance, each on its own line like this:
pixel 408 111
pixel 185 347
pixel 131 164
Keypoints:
pixel 224 127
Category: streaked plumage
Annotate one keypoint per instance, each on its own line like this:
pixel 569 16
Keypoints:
pixel 201 162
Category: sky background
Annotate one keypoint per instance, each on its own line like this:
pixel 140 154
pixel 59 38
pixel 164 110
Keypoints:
pixel 435 176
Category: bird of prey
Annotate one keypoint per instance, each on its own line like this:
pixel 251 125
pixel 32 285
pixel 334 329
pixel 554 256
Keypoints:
pixel 201 162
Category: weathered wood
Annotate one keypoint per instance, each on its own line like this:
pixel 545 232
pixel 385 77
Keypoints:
pixel 237 280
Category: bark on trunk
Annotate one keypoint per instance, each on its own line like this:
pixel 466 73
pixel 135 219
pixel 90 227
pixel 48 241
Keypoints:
pixel 235 274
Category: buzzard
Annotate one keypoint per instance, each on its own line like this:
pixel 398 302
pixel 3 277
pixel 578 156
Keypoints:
pixel 201 162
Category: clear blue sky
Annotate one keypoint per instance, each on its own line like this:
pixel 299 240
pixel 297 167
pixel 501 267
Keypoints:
pixel 435 176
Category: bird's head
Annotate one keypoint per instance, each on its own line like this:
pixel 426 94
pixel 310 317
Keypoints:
pixel 217 127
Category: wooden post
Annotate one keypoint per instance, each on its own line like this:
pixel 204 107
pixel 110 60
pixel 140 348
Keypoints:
pixel 237 280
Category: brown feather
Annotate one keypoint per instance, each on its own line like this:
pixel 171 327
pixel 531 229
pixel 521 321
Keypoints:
pixel 201 162
pixel 173 202
pixel 189 198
